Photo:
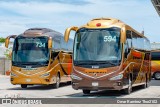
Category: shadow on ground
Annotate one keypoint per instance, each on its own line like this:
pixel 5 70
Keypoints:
pixel 105 93
pixel 155 82
pixel 40 87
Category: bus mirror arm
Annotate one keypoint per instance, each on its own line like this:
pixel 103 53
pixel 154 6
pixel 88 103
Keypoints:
pixel 123 33
pixel 67 32
pixel 50 42
pixel 8 39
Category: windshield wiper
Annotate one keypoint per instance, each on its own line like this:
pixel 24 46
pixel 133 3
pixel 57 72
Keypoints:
pixel 25 63
pixel 15 63
pixel 90 62
pixel 108 62
pixel 29 63
pixel 83 63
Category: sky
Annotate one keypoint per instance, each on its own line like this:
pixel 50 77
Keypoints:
pixel 16 16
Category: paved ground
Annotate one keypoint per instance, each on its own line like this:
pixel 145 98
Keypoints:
pixel 66 91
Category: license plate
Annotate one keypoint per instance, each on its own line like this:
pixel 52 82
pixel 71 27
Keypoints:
pixel 95 84
pixel 28 80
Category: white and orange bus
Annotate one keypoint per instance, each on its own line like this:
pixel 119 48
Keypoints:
pixel 109 54
pixel 40 56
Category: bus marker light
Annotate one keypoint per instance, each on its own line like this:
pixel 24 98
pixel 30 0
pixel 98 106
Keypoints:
pixel 12 79
pixel 47 80
pixel 98 24
pixel 119 83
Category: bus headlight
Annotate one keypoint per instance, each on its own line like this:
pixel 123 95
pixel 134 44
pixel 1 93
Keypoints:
pixel 12 74
pixel 75 77
pixel 120 76
pixel 45 75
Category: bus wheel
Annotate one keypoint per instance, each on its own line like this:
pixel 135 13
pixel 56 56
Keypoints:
pixel 57 81
pixel 69 82
pixel 157 76
pixel 86 91
pixel 129 89
pixel 23 85
pixel 146 83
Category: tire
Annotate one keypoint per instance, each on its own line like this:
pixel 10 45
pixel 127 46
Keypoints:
pixel 23 85
pixel 69 82
pixel 86 91
pixel 157 76
pixel 145 85
pixel 147 82
pixel 57 81
pixel 129 89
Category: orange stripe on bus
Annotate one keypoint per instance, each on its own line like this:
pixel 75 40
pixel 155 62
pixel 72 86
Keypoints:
pixel 137 54
pixel 69 66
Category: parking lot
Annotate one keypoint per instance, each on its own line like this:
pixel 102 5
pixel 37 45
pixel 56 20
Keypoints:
pixel 66 91
pixel 7 90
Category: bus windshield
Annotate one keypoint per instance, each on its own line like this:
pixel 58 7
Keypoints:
pixel 30 51
pixel 97 45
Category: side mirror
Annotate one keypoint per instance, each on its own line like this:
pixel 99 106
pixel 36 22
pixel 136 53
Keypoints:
pixel 50 42
pixel 7 40
pixel 67 32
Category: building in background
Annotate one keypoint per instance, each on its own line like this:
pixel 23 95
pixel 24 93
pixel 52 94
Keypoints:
pixel 156 4
pixel 5 63
pixel 3 49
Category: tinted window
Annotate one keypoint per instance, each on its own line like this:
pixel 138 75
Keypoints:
pixel 30 51
pixel 97 45
pixel 56 42
pixel 155 55
pixel 134 40
pixel 129 39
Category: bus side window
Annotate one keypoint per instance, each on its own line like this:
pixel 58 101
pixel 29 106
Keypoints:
pixel 54 54
pixel 62 43
pixel 128 44
pixel 56 43
pixel 134 40
pixel 146 44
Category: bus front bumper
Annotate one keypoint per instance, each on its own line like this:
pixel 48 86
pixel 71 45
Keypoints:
pixel 31 80
pixel 97 85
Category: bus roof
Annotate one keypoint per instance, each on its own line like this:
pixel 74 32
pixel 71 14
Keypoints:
pixel 107 23
pixel 36 32
pixel 157 50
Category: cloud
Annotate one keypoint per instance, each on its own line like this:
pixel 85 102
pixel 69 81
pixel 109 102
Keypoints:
pixel 72 2
pixel 7 28
pixel 18 15
pixel 36 14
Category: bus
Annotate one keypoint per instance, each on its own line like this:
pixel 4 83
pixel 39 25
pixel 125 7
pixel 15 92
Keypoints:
pixel 109 55
pixel 40 56
pixel 155 64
